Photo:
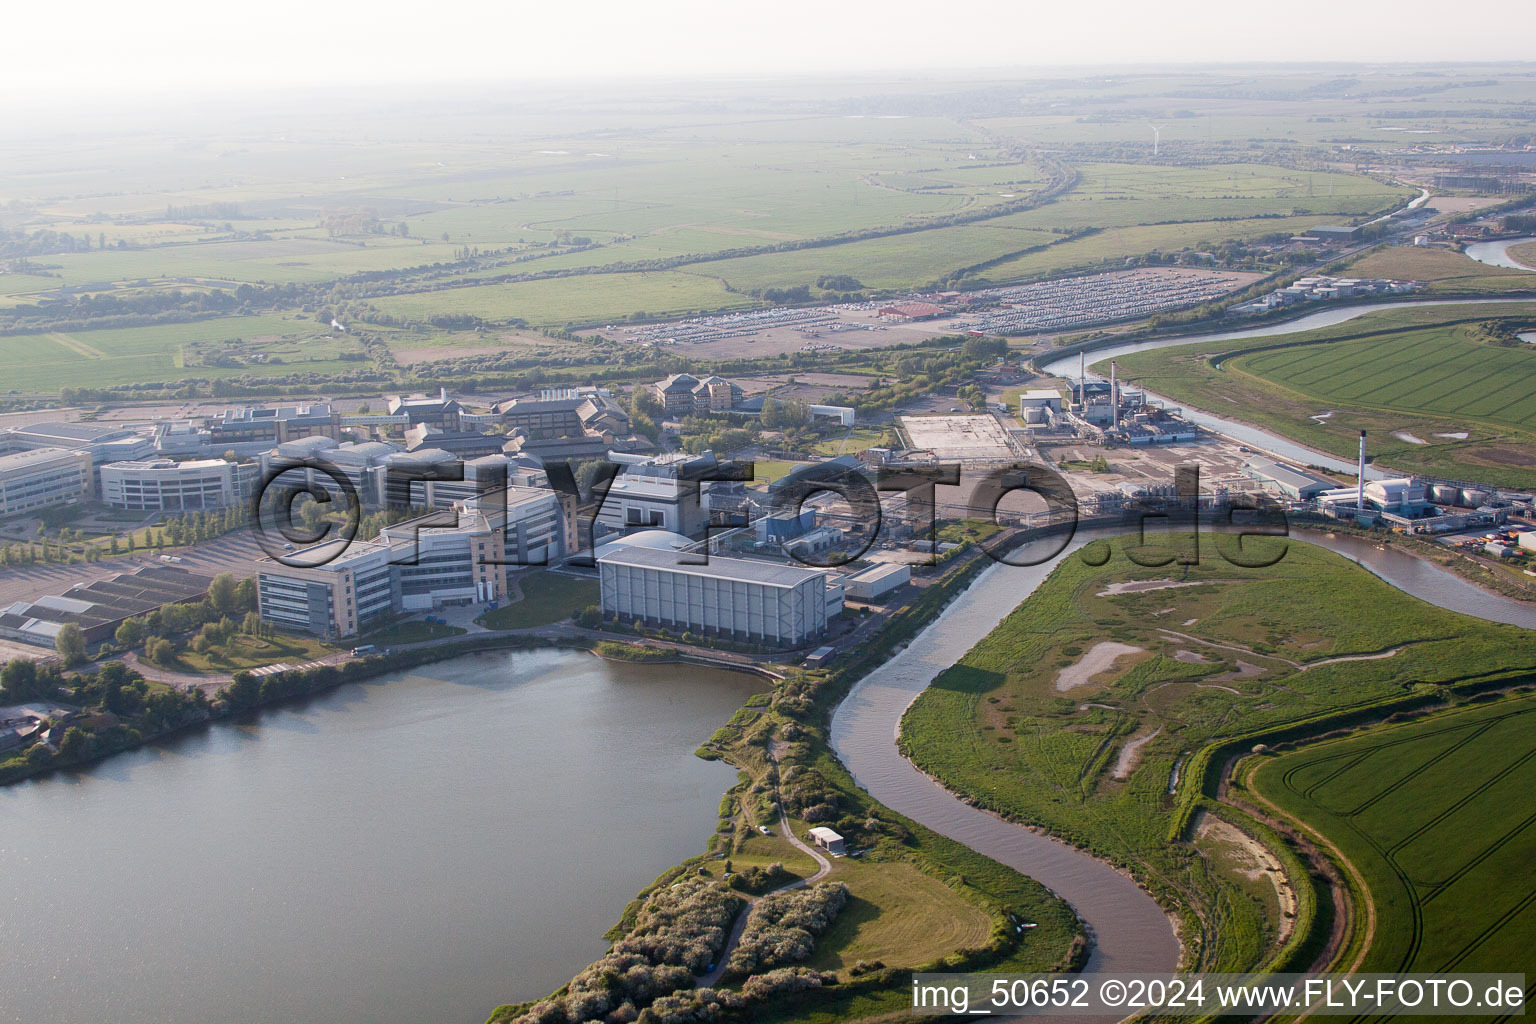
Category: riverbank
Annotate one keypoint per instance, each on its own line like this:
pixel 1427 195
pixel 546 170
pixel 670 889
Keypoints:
pixel 996 729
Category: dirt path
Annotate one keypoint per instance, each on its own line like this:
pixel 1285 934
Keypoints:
pixel 1299 666
pixel 823 866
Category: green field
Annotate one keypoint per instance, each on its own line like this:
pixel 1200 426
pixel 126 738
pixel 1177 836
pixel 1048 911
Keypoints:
pixel 1442 270
pixel 170 352
pixel 1436 817
pixel 1240 649
pixel 557 301
pixel 1420 374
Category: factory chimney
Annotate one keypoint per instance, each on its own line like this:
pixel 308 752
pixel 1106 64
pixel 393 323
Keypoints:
pixel 1114 392
pixel 1360 483
pixel 1082 378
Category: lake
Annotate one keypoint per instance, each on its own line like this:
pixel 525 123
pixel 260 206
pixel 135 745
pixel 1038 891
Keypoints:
pixel 415 849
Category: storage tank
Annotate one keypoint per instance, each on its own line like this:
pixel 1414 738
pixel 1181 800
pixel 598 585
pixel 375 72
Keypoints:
pixel 1444 494
pixel 1471 497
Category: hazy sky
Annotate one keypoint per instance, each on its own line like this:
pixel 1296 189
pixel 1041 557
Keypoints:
pixel 111 47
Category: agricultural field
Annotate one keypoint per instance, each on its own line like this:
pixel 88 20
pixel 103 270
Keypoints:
pixel 1442 270
pixel 1115 245
pixel 557 301
pixel 1436 394
pixel 171 352
pixel 1434 817
pixel 1074 712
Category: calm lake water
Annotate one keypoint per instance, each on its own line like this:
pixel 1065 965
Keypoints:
pixel 415 849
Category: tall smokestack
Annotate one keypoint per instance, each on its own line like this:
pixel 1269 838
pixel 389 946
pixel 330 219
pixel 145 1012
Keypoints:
pixel 1114 392
pixel 1360 483
pixel 1082 378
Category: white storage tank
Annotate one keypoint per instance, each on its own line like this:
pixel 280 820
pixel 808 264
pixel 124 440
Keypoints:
pixel 1445 494
pixel 1471 497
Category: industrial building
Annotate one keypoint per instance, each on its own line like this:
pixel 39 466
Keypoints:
pixel 875 581
pixel 1296 484
pixel 644 579
pixel 164 485
pixel 100 606
pixel 1040 398
pixel 43 477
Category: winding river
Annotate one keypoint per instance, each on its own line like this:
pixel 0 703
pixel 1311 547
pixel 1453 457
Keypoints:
pixel 1132 934
pixel 1496 254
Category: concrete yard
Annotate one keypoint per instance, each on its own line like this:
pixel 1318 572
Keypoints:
pixel 959 437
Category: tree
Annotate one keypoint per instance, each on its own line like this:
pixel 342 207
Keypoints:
pixel 130 633
pixel 245 594
pixel 645 403
pixel 159 650
pixel 75 745
pixel 243 691
pixel 18 679
pixel 223 593
pixel 70 644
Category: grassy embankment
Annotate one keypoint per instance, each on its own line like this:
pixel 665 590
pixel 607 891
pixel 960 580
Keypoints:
pixel 1240 651
pixel 1432 820
pixel 918 899
pixel 1423 375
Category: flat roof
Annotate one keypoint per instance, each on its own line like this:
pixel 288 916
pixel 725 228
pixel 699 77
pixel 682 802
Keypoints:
pixel 37 457
pixel 1287 475
pixel 879 570
pixel 766 573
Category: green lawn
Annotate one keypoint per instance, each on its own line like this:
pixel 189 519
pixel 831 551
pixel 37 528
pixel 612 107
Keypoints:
pixel 244 651
pixel 547 598
pixel 1420 374
pixel 1000 728
pixel 1437 816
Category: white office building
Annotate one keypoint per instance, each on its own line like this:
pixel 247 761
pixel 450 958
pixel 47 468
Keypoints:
pixel 164 485
pixel 43 477
pixel 419 565
pixel 645 578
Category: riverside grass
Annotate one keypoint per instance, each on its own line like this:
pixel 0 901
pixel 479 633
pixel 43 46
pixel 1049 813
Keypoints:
pixel 1217 661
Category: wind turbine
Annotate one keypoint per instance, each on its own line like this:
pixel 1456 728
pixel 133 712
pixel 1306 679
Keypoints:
pixel 1157 135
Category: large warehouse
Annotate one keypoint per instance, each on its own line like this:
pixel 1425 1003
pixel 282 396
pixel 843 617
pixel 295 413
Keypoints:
pixel 645 579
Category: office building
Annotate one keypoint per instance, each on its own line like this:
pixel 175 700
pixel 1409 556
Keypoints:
pixel 464 555
pixel 43 477
pixel 164 485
